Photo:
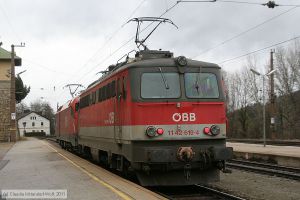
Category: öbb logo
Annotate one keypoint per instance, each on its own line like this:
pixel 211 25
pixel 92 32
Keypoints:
pixel 185 117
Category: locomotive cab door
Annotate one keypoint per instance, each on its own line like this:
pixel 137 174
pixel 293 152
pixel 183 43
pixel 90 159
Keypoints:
pixel 119 109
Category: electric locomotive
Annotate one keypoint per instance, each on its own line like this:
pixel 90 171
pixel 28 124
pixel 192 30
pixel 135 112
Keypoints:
pixel 66 123
pixel 155 115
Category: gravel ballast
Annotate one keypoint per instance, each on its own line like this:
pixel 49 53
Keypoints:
pixel 256 186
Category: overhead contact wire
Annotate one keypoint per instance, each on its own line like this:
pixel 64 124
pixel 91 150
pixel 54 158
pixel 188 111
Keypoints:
pixel 110 38
pixel 132 38
pixel 252 52
pixel 244 32
pixel 104 45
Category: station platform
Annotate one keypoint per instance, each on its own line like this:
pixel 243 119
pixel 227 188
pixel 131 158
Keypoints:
pixel 36 164
pixel 4 148
pixel 281 155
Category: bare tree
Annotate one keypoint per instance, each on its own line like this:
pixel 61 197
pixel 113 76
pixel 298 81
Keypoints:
pixel 287 83
pixel 36 106
pixel 253 82
pixel 244 96
pixel 237 99
pixel 286 74
pixel 20 108
pixel 244 108
pixel 44 109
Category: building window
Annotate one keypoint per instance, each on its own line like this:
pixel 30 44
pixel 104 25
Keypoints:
pixel 42 123
pixel 33 124
pixel 33 131
pixel 42 131
pixel 33 118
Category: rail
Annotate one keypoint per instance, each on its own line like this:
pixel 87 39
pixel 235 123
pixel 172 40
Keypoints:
pixel 264 168
pixel 194 192
pixel 268 142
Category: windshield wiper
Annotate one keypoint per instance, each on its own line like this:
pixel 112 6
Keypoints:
pixel 164 79
pixel 197 82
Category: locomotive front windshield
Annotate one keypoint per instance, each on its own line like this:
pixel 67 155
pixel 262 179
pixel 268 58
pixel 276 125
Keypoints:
pixel 201 85
pixel 160 85
pixel 167 85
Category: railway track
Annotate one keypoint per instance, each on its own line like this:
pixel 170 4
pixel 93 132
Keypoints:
pixel 268 142
pixel 194 192
pixel 263 168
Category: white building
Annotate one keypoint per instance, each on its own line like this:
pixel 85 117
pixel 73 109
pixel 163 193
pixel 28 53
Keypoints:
pixel 33 123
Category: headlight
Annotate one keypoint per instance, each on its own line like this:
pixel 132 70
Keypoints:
pixel 151 131
pixel 215 130
pixel 181 60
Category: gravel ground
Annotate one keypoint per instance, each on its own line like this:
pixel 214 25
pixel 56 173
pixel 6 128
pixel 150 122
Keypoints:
pixel 255 186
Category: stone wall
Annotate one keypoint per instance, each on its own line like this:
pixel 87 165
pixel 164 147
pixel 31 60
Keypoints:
pixel 4 110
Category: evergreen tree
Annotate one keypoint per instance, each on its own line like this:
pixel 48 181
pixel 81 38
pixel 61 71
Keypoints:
pixel 21 90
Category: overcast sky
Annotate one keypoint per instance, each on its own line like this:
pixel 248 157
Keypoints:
pixel 69 41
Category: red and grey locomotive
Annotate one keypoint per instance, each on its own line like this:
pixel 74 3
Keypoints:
pixel 158 116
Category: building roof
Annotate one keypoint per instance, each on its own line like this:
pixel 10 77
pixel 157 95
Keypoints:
pixel 6 55
pixel 26 114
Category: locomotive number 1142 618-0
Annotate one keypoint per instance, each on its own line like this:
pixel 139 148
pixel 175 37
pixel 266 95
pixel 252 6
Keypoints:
pixel 184 132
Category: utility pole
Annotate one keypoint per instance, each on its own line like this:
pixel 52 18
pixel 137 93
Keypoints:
pixel 263 93
pixel 272 96
pixel 13 124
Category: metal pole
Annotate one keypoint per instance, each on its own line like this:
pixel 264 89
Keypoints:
pixel 13 122
pixel 272 97
pixel 12 97
pixel 264 112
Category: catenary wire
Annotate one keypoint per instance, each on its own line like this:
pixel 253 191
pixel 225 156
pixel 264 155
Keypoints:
pixel 9 23
pixel 106 42
pixel 110 38
pixel 240 2
pixel 245 31
pixel 258 50
pixel 127 42
pixel 124 44
pixel 270 4
pixel 253 3
pixel 38 65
